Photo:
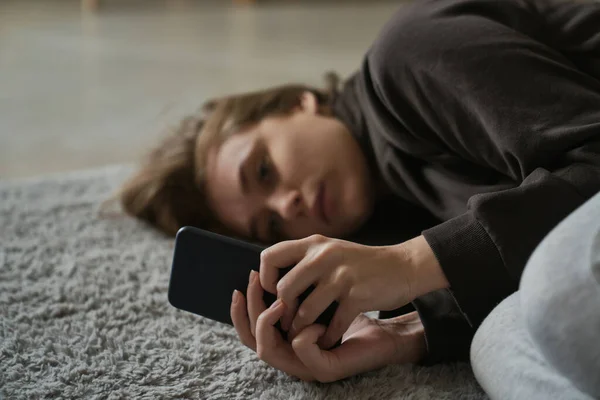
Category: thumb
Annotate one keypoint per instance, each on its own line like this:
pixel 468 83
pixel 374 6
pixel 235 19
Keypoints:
pixel 309 336
pixel 364 350
pixel 322 364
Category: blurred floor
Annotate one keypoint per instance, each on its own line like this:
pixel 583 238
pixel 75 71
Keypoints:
pixel 80 89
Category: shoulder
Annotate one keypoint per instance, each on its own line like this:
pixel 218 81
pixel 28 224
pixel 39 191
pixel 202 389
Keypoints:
pixel 404 36
pixel 426 32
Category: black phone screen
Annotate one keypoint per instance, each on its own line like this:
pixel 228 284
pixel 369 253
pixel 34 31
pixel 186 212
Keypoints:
pixel 207 268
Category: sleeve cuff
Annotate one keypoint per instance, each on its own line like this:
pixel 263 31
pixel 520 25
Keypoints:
pixel 447 333
pixel 472 264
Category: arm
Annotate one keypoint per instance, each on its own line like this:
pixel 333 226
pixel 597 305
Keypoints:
pixel 573 27
pixel 489 94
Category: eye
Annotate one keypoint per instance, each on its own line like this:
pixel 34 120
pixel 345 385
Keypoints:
pixel 264 169
pixel 274 227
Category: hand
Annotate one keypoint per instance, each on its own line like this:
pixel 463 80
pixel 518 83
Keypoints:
pixel 361 278
pixel 368 344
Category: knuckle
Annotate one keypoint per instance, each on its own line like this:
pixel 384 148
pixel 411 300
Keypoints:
pixel 318 238
pixel 297 343
pixel 260 320
pixel 359 296
pixel 282 290
pixel 301 316
pixel 265 255
pixel 341 274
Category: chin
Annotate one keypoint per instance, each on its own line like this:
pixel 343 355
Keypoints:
pixel 355 209
pixel 359 222
pixel 362 208
pixel 352 223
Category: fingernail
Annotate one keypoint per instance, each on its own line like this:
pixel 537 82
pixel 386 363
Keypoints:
pixel 234 297
pixel 252 276
pixel 276 304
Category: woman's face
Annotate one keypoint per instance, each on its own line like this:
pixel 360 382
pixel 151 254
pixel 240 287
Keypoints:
pixel 290 177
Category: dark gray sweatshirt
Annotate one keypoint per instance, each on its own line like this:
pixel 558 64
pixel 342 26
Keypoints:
pixel 486 113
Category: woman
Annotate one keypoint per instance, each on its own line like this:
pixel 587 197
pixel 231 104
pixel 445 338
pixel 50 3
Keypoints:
pixel 485 114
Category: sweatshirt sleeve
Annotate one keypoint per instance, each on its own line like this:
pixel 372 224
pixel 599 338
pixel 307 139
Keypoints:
pixel 486 85
pixel 572 27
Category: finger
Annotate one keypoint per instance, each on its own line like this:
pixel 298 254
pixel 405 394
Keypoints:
pixel 344 315
pixel 325 365
pixel 313 306
pixel 241 323
pixel 256 304
pixel 357 354
pixel 288 315
pixel 280 255
pixel 271 347
pixel 306 273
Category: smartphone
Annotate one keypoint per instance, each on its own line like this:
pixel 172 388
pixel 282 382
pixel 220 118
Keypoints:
pixel 208 267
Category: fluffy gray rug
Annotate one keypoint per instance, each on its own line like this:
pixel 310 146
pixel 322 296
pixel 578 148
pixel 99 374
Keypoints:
pixel 84 314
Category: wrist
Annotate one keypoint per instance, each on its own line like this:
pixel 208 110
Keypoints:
pixel 409 336
pixel 425 271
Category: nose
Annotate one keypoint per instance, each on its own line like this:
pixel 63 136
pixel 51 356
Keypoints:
pixel 288 203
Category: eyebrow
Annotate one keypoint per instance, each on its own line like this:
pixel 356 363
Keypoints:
pixel 245 191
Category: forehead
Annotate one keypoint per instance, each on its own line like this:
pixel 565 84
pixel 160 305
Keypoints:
pixel 223 188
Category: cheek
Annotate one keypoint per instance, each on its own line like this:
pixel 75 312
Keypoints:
pixel 230 215
pixel 299 161
pixel 356 203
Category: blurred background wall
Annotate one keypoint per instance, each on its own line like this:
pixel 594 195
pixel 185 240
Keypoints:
pixel 81 88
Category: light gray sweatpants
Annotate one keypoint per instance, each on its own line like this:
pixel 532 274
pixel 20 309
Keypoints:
pixel 543 342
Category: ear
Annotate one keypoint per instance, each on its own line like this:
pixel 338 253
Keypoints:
pixel 309 103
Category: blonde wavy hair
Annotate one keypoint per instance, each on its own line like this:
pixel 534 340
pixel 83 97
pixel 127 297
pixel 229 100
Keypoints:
pixel 167 190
